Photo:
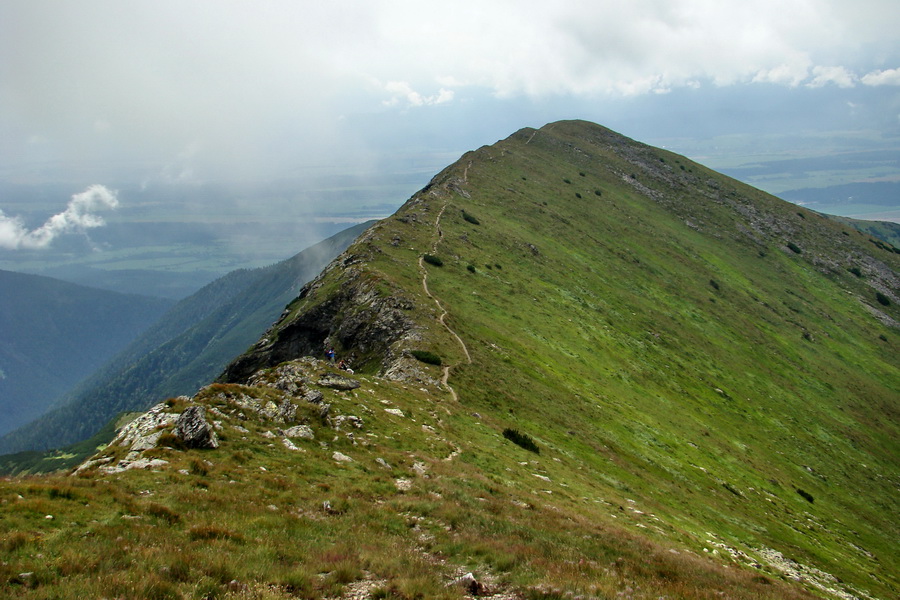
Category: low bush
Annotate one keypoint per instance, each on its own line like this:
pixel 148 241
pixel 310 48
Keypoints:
pixel 856 271
pixel 523 440
pixel 470 218
pixel 882 299
pixel 426 357
pixel 806 495
pixel 433 260
pixel 471 268
pixel 794 248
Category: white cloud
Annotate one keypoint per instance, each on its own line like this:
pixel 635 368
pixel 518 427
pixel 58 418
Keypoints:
pixel 262 89
pixel 78 217
pixel 401 93
pixel 838 76
pixel 886 77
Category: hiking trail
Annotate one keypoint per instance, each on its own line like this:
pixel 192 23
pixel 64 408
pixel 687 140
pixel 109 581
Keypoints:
pixel 439 235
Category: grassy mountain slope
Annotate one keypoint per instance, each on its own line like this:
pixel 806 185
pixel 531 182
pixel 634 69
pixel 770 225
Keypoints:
pixel 56 333
pixel 187 348
pixel 711 391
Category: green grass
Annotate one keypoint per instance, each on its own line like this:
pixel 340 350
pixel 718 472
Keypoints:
pixel 680 423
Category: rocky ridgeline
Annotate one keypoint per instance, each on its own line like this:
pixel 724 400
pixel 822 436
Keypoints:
pixel 287 399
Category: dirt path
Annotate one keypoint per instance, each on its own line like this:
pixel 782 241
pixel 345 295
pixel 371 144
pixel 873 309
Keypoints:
pixel 439 235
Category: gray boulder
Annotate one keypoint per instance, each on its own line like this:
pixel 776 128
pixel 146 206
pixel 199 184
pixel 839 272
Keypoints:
pixel 193 430
pixel 338 382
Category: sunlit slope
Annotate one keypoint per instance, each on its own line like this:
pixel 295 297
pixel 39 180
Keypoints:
pixel 581 370
pixel 676 338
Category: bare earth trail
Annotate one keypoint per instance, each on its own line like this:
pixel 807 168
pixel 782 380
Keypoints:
pixel 442 319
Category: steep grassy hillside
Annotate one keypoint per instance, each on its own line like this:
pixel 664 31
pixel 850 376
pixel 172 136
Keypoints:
pixel 54 334
pixel 187 348
pixel 584 367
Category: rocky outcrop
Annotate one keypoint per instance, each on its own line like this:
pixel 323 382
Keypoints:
pixel 193 430
pixel 361 321
pixel 144 432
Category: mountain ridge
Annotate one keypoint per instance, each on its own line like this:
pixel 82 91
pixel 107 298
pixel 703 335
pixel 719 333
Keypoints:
pixel 583 366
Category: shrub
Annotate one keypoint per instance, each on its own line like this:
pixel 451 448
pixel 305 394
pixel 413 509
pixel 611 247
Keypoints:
pixel 806 495
pixel 567 180
pixel 470 218
pixel 426 357
pixel 577 195
pixel 882 299
pixel 523 440
pixel 794 247
pixel 471 268
pixel 433 260
pixel 856 271
pixel 598 192
pixel 714 283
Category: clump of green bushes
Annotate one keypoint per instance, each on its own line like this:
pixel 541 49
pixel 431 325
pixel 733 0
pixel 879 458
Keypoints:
pixel 426 357
pixel 882 299
pixel 470 218
pixel 794 248
pixel 523 440
pixel 433 260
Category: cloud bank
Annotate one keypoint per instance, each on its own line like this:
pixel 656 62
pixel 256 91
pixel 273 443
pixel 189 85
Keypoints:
pixel 269 89
pixel 78 217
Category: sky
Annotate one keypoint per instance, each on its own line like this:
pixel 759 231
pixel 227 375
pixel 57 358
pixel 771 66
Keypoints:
pixel 147 93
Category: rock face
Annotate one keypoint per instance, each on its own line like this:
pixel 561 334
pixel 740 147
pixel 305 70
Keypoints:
pixel 192 428
pixel 359 320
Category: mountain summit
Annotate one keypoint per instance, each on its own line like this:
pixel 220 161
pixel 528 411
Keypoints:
pixel 580 366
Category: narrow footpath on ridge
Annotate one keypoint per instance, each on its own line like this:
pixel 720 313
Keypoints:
pixel 442 319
